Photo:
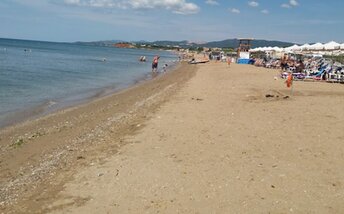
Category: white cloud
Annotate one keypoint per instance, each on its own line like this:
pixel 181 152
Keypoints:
pixel 285 6
pixel 72 1
pixel 96 3
pixel 253 4
pixel 293 3
pixel 265 11
pixel 211 2
pixel 187 8
pixel 234 10
pixel 176 6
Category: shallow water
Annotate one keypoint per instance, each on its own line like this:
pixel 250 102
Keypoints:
pixel 39 77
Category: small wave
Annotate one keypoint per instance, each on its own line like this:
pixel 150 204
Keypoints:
pixel 51 103
pixel 98 59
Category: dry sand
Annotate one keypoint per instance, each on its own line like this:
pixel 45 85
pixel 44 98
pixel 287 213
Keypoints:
pixel 210 144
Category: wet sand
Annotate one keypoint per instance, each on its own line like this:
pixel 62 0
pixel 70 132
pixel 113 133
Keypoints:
pixel 203 139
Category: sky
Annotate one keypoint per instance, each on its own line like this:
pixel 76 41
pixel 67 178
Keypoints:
pixel 298 21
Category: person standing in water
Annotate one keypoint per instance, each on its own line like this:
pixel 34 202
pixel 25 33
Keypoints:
pixel 155 64
pixel 164 68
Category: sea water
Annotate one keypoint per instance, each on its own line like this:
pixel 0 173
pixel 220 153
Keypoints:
pixel 38 77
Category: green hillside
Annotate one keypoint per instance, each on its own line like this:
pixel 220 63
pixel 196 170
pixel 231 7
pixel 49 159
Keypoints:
pixel 228 43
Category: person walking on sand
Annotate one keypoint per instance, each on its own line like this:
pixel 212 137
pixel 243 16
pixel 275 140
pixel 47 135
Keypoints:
pixel 155 63
pixel 229 60
pixel 284 63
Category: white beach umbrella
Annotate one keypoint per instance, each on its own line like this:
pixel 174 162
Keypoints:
pixel 292 48
pixel 316 46
pixel 255 50
pixel 332 45
pixel 305 46
pixel 277 49
pixel 283 50
pixel 296 48
pixel 288 49
pixel 269 48
pixel 342 46
pixel 263 49
pixel 259 49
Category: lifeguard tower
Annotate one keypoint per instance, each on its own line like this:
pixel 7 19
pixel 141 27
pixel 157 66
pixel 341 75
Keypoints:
pixel 244 50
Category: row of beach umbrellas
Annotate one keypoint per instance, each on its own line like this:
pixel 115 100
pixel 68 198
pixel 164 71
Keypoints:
pixel 330 46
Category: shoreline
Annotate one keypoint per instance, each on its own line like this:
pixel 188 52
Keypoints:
pixel 33 151
pixel 45 87
pixel 54 105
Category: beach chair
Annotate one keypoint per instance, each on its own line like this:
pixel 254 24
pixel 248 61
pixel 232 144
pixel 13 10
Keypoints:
pixel 299 76
pixel 340 78
pixel 332 78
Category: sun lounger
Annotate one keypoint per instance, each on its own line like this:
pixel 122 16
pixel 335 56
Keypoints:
pixel 332 78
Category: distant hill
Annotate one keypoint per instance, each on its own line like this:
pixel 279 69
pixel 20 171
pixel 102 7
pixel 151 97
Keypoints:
pixel 233 43
pixel 100 43
pixel 170 43
pixel 228 43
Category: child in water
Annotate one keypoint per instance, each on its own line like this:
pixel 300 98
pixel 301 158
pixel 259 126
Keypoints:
pixel 164 67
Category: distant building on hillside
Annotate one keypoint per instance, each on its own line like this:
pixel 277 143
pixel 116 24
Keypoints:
pixel 206 49
pixel 123 45
pixel 216 49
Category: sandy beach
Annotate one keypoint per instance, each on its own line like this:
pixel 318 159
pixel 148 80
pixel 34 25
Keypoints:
pixel 202 139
